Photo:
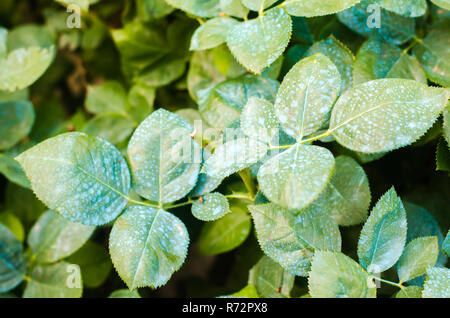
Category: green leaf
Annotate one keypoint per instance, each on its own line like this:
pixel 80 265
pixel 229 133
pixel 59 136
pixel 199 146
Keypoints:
pixel 258 43
pixel 270 279
pixel 393 28
pixel 58 280
pixel 446 128
pixel 113 127
pixel 140 101
pixel 417 256
pixel 222 104
pixel 248 291
pixel 213 206
pixel 385 114
pixel 296 177
pixel 409 8
pixel 16 120
pixel 340 55
pixel 433 53
pixel 233 156
pixel 335 275
pixel 13 223
pixel 347 197
pixel 83 4
pixel 291 237
pixel 306 95
pixel 12 261
pixel 383 236
pixel 201 8
pixel 226 233
pixel 147 246
pixel 258 5
pixel 162 73
pixel 409 292
pixel 83 178
pixel 446 244
pixel 377 59
pixel 211 34
pixel 12 170
pixel 163 157
pixel 306 8
pixel 234 8
pixel 442 156
pixel 153 9
pixel 109 97
pixel 94 262
pixel 202 74
pixel 437 284
pixel 3 42
pixel 53 237
pixel 258 119
pixel 125 293
pixel 227 64
pixel 442 3
pixel 22 67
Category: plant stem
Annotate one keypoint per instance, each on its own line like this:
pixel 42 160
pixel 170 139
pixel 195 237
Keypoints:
pixel 388 282
pixel 172 206
pixel 143 203
pixel 240 196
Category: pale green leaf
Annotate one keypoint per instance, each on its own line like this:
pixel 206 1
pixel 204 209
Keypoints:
pixel 201 8
pixel 385 114
pixel 335 275
pixel 258 43
pixel 226 63
pixel 258 5
pixel 83 4
pixel 60 280
pixel 446 244
pixel 125 293
pixel 12 170
pixel 211 33
pixel 248 291
pixel 109 97
pixel 226 233
pixel 307 8
pixel 153 9
pixel 22 67
pixel 409 292
pixel 409 8
pixel 417 256
pixel 83 178
pixel 258 119
pixel 437 284
pixel 13 223
pixel 234 8
pixel 147 246
pixel 53 237
pixel 233 156
pixel 113 127
pixel 306 95
pixel 442 3
pixel 3 42
pixel 340 55
pixel 213 206
pixel 222 104
pixel 162 73
pixel 12 261
pixel 433 53
pixel 296 177
pixel 270 279
pixel 347 196
pixel 291 237
pixel 16 121
pixel 140 101
pixel 164 159
pixel 94 262
pixel 383 236
pixel 446 128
